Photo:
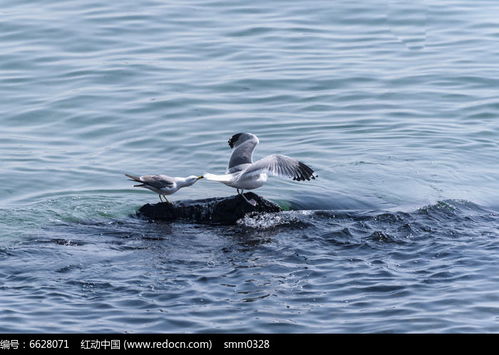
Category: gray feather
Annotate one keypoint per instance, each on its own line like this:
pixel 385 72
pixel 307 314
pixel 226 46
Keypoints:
pixel 156 181
pixel 277 164
pixel 243 151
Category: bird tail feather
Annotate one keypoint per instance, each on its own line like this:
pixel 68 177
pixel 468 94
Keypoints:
pixel 133 178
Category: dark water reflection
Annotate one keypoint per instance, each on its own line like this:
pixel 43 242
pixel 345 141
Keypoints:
pixel 433 269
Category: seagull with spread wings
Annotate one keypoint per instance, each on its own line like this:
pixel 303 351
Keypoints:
pixel 244 174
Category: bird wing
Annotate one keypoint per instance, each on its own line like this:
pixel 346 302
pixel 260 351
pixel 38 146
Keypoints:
pixel 281 165
pixel 243 153
pixel 157 181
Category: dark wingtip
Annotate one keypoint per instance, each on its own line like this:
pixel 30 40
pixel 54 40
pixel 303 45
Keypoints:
pixel 233 139
pixel 305 173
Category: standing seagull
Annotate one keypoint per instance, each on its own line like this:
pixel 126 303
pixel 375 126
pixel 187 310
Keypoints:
pixel 244 174
pixel 164 184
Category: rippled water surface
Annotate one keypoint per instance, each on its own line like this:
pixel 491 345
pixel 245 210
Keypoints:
pixel 394 103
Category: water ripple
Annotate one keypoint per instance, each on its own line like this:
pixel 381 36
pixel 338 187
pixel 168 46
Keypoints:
pixel 386 99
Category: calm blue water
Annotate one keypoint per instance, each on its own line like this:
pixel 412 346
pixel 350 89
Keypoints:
pixel 394 103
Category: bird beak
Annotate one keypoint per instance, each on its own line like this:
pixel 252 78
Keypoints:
pixel 200 177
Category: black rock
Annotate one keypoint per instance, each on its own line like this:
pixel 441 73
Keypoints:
pixel 217 210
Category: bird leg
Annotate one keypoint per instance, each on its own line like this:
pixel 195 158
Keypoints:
pixel 251 202
pixel 162 198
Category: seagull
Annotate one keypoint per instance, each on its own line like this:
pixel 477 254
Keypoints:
pixel 164 184
pixel 244 174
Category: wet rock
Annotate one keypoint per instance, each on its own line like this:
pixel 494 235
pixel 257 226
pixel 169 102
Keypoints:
pixel 217 210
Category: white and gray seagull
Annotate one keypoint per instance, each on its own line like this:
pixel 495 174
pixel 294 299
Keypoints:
pixel 164 184
pixel 244 174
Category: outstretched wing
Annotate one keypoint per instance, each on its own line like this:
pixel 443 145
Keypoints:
pixel 243 153
pixel 277 164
